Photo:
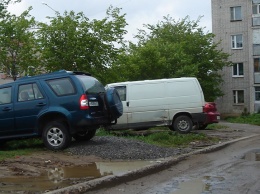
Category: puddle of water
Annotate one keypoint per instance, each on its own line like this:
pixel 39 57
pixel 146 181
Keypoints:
pixel 62 177
pixel 196 186
pixel 252 156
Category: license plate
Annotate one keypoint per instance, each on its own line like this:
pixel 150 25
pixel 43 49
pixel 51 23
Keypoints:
pixel 218 117
pixel 93 103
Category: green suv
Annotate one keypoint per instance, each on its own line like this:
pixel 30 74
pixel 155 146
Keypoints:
pixel 56 106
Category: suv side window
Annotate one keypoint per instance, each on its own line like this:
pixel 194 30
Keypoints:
pixel 29 92
pixel 5 95
pixel 61 87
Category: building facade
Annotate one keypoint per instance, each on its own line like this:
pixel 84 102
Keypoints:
pixel 236 23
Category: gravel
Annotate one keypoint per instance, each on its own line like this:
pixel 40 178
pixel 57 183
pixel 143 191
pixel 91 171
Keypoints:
pixel 110 147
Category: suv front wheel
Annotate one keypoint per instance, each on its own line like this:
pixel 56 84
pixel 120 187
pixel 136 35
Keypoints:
pixel 56 135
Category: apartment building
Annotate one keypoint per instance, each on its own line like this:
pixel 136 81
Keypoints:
pixel 236 23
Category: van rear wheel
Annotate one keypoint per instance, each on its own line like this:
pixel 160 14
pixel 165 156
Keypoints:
pixel 182 124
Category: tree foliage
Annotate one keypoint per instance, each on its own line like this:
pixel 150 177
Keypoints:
pixel 173 49
pixel 73 42
pixel 18 49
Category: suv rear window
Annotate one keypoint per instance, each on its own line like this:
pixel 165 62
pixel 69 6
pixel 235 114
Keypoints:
pixel 90 84
pixel 61 87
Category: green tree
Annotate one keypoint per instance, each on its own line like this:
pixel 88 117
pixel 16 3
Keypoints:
pixel 173 49
pixel 18 49
pixel 73 42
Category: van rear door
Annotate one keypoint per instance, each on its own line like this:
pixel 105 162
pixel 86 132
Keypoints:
pixel 122 91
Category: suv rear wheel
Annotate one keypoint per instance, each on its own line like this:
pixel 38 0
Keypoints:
pixel 84 136
pixel 56 135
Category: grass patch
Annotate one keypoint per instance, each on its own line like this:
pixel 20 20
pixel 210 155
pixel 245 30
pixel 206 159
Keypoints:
pixel 172 139
pixel 18 148
pixel 253 119
pixel 216 126
pixel 161 137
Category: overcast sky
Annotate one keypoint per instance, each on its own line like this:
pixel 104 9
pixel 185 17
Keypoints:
pixel 138 12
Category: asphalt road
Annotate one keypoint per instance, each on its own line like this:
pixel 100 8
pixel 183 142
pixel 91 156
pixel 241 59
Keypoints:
pixel 234 169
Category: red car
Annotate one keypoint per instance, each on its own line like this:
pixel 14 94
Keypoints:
pixel 213 116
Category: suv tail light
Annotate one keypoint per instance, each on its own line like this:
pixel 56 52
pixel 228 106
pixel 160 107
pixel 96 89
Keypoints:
pixel 209 107
pixel 83 101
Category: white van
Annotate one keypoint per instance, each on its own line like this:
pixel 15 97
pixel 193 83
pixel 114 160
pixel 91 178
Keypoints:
pixel 177 103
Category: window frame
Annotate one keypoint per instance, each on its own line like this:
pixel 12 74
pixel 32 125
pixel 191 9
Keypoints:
pixel 61 93
pixel 30 88
pixel 8 91
pixel 236 97
pixel 122 92
pixel 237 66
pixel 257 65
pixel 233 12
pixel 235 42
pixel 257 93
pixel 257 5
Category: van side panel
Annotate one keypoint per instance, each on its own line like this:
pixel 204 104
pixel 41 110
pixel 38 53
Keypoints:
pixel 184 96
pixel 147 102
pixel 156 102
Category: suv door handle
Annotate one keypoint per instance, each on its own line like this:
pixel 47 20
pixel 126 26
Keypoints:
pixel 6 109
pixel 41 104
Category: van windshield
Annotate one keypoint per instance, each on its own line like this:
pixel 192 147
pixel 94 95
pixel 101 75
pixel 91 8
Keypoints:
pixel 90 84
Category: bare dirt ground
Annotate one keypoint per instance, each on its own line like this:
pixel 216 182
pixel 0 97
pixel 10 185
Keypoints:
pixel 37 163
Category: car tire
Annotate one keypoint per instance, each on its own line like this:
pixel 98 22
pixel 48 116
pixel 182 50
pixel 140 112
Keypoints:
pixel 113 103
pixel 84 136
pixel 56 135
pixel 182 124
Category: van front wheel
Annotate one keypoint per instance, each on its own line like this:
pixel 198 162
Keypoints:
pixel 182 124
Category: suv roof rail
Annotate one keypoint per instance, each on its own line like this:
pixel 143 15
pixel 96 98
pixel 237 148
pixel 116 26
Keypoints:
pixel 80 73
pixel 57 72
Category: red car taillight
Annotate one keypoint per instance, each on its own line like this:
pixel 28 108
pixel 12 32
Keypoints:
pixel 209 107
pixel 83 101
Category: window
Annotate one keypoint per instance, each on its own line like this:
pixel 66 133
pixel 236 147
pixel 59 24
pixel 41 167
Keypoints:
pixel 5 95
pixel 90 84
pixel 257 65
pixel 61 87
pixel 238 70
pixel 235 13
pixel 256 49
pixel 256 8
pixel 256 21
pixel 29 92
pixel 122 92
pixel 238 96
pixel 257 93
pixel 237 41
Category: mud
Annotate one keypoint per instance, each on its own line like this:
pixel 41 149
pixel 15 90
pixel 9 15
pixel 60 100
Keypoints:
pixel 38 164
